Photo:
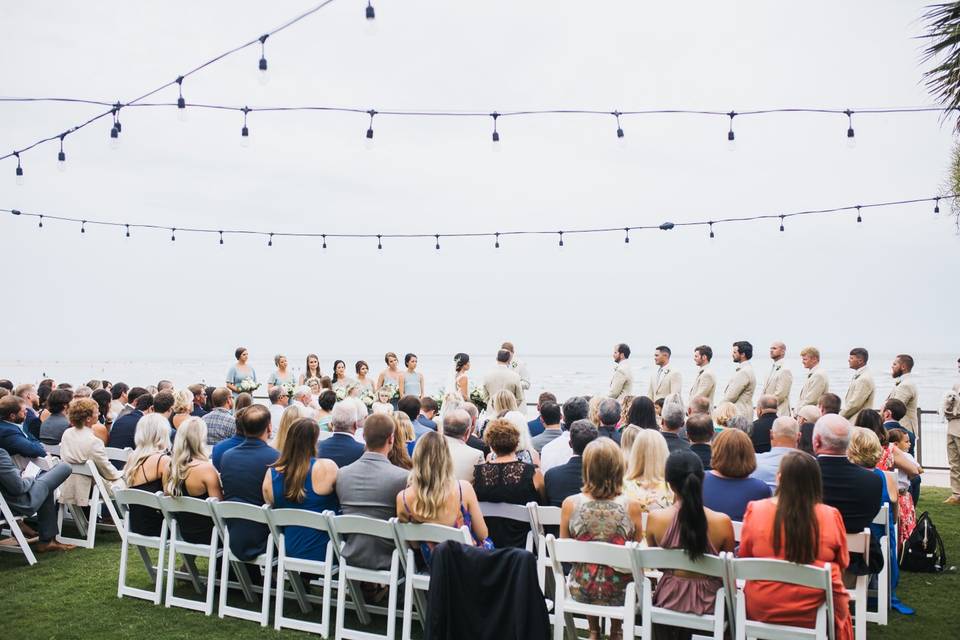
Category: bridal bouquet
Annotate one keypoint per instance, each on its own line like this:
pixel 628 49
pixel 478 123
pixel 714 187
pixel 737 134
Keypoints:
pixel 393 389
pixel 366 395
pixel 247 385
pixel 439 398
pixel 478 396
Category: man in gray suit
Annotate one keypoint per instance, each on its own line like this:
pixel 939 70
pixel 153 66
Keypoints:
pixel 369 487
pixel 28 496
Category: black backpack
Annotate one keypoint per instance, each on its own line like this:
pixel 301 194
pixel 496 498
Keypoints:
pixel 923 551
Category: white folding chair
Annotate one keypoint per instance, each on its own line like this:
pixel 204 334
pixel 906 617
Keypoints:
pixel 619 557
pixel 860 543
pixel 882 592
pixel 171 508
pixel 222 513
pixel 737 526
pixel 788 573
pixel 507 511
pixel 541 517
pixel 52 449
pixel 115 454
pixel 125 498
pixel 99 495
pixel 678 560
pixel 406 534
pixel 9 524
pixel 278 520
pixel 350 525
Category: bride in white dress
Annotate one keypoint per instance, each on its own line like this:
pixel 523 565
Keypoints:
pixel 458 391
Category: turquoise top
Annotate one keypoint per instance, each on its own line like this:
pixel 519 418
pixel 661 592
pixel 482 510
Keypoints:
pixel 411 384
pixel 234 377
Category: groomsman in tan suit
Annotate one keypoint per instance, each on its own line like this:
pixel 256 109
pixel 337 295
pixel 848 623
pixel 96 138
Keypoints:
pixel 621 385
pixel 705 382
pixel 905 389
pixel 740 389
pixel 665 381
pixel 816 383
pixel 503 377
pixel 862 388
pixel 780 380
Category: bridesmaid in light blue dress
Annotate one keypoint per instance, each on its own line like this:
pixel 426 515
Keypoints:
pixel 411 382
pixel 240 371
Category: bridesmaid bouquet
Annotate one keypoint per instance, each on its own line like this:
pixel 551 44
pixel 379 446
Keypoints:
pixel 289 387
pixel 341 392
pixel 393 389
pixel 366 395
pixel 247 385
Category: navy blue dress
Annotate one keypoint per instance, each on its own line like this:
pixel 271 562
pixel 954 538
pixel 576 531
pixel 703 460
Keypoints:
pixel 304 542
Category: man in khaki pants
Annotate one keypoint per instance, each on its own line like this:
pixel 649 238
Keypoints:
pixel 780 380
pixel 951 412
pixel 740 389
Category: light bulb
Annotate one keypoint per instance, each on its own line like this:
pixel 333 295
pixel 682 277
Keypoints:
pixel 182 115
pixel 20 179
pixel 368 142
pixel 263 77
pixel 115 137
pixel 245 137
pixel 851 142
pixel 61 162
pixel 732 145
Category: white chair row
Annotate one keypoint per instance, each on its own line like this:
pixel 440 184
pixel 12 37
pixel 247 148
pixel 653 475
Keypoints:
pixel 9 526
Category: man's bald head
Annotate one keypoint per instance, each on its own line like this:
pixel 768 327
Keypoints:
pixel 699 405
pixel 831 435
pixel 784 432
pixel 808 413
pixel 778 350
pixel 767 403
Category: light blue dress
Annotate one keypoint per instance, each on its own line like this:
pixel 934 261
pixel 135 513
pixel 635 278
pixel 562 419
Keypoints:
pixel 276 380
pixel 234 377
pixel 411 384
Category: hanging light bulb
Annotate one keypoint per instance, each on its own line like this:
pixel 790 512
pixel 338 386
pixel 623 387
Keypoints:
pixel 83 226
pixel 40 224
pixel 851 140
pixel 437 236
pixel 495 137
pixel 368 141
pixel 496 243
pixel 62 157
pixel 711 230
pixel 173 234
pixel 263 78
pixel 936 206
pixel 731 138
pixel 561 238
pixel 371 27
pixel 781 224
pixel 379 244
pixel 245 132
pixel 621 138
pixel 324 240
pixel 270 241
pixel 116 128
pixel 626 237
pixel 181 103
pixel 859 218
pixel 19 171
pixel 128 229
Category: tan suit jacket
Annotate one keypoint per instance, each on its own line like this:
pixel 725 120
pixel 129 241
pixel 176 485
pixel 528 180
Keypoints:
pixel 778 384
pixel 465 458
pixel 670 383
pixel 859 395
pixel 740 390
pixel 704 384
pixel 621 385
pixel 905 390
pixel 815 385
pixel 503 377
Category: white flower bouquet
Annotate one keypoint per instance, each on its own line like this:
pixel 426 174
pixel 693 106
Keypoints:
pixel 289 387
pixel 393 389
pixel 478 396
pixel 366 395
pixel 248 385
pixel 341 392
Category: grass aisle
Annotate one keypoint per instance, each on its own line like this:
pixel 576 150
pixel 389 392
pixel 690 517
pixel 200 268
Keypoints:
pixel 74 596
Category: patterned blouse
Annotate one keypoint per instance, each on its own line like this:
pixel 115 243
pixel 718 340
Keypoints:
pixel 650 499
pixel 599 521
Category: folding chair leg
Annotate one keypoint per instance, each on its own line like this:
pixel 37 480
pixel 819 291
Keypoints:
pixel 408 592
pixel 146 561
pixel 22 541
pixel 298 588
pixel 191 563
pixel 243 577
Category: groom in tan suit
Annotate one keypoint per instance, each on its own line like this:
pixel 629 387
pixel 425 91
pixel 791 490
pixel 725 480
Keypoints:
pixel 816 384
pixel 740 389
pixel 621 385
pixel 665 381
pixel 862 387
pixel 503 377
pixel 705 382
pixel 905 390
pixel 780 380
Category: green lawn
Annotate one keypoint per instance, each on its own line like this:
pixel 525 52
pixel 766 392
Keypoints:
pixel 73 595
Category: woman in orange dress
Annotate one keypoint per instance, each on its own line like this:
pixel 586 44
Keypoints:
pixel 795 525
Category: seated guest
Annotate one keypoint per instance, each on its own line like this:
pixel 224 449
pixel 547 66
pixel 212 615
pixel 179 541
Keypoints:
pixel 760 433
pixel 216 454
pixel 244 467
pixel 784 436
pixel 728 487
pixel 608 412
pixel 124 430
pixel 465 458
pixel 199 400
pixel 182 407
pixel 829 403
pixel 128 405
pixel 163 403
pixel 628 435
pixel 369 487
pixel 796 526
pixel 506 479
pixel 550 425
pixel 852 490
pixel 699 405
pixel 410 405
pixel 299 480
pixel 144 470
pixel 220 421
pixel 325 404
pixel 13 440
pixel 242 401
pixel 435 495
pixel 723 413
pixel 29 496
pixel 190 474
pixel 672 422
pixel 341 447
pixel 290 415
pixel 77 445
pixel 566 479
pixel 102 429
pixel 625 403
pixel 55 422
pixel 807 417
pixel 31 398
pixel 279 401
pixel 600 513
pixel 537 425
pixel 558 451
pixel 472 440
pixel 644 480
pixel 693 527
pixel 119 399
pixel 700 433
pixel 428 411
pixel 643 413
pixel 404 441
pixel 907 470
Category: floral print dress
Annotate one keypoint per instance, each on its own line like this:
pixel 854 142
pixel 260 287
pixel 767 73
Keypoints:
pixel 599 521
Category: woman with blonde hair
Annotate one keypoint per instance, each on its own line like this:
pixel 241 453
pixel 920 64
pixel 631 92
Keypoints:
pixel 182 406
pixel 624 415
pixel 282 375
pixel 504 406
pixel 145 467
pixel 290 415
pixel 192 475
pixel 628 436
pixel 434 494
pixel 645 480
pixel 593 410
pixel 723 413
pixel 404 439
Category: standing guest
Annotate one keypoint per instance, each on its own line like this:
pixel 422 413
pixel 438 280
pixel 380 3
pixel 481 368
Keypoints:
pixel 299 480
pixel 621 385
pixel 608 414
pixel 829 403
pixel 364 383
pixel 119 401
pixel 784 438
pixel 240 372
pixel 369 487
pixel 550 418
pixel 796 526
pixel 340 378
pixel 311 369
pixel 29 496
pixel 199 400
pixel 740 389
pixel 905 390
pixel 53 426
pixel 566 479
pixel 220 422
pixel 145 468
pixel 244 467
pixel 456 425
pixel 191 474
pixel 390 377
pixel 767 411
pixel 182 407
pixel 506 479
pixel 558 451
pixel 78 445
pixel 519 366
pixel 672 419
pixel 410 405
pixel 666 381
pixel 862 388
pixel 502 378
pixel 780 380
pixel 279 401
pixel 536 426
pixel 282 376
pixel 428 413
pixel 853 491
pixel 645 481
pixel 950 408
pixel 13 439
pixel 807 418
pixel 411 382
pixel 688 524
pixel 325 403
pixel 600 512
pixel 816 383
pixel 643 414
pixel 123 433
pixel 705 382
pixel 163 405
pixel 728 487
pixel 341 446
pixel 700 433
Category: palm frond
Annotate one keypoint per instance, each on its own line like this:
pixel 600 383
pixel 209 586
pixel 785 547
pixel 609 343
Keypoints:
pixel 943 33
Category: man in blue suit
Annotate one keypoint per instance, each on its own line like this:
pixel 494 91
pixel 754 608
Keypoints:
pixel 342 447
pixel 12 438
pixel 536 425
pixel 124 429
pixel 567 479
pixel 410 405
pixel 428 410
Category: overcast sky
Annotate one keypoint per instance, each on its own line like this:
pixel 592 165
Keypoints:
pixel 890 285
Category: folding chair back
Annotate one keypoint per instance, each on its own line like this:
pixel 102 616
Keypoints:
pixel 223 512
pixel 543 517
pixel 860 543
pixel 10 523
pixel 882 592
pixel 507 511
pixel 172 507
pixel 135 497
pixel 99 494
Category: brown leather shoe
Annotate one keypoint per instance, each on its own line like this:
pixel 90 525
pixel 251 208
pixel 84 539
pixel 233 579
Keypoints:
pixel 952 500
pixel 53 545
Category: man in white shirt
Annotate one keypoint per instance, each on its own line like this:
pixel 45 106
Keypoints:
pixel 557 451
pixel 456 428
pixel 621 385
pixel 279 400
